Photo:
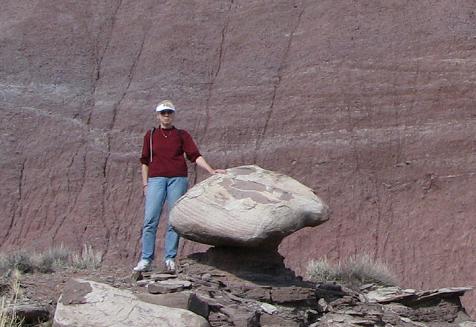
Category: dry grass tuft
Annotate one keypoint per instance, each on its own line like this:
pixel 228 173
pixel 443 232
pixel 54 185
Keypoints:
pixel 322 270
pixel 6 319
pixel 87 259
pixel 353 271
pixel 51 260
pixel 364 269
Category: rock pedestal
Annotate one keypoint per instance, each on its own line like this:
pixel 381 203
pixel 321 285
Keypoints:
pixel 251 264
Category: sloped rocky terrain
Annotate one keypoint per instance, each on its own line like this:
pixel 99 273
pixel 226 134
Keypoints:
pixel 237 292
pixel 225 287
pixel 371 104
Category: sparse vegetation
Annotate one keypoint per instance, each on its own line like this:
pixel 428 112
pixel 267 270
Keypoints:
pixel 51 260
pixel 322 270
pixel 7 319
pixel 353 271
pixel 87 259
pixel 12 265
pixel 20 260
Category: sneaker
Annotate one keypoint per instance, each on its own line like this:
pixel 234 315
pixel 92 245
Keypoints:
pixel 143 265
pixel 170 265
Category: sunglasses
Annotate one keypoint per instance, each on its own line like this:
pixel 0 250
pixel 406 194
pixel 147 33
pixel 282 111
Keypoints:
pixel 166 112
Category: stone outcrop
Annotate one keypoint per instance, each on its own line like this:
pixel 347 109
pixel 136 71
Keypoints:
pixel 91 304
pixel 248 206
pixel 371 104
pixel 253 297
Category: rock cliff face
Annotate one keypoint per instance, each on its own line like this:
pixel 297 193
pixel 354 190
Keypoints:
pixel 370 103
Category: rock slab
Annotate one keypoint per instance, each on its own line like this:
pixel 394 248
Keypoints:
pixel 90 304
pixel 248 206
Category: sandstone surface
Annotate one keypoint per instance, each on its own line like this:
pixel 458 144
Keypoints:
pixel 247 206
pixel 370 103
pixel 91 304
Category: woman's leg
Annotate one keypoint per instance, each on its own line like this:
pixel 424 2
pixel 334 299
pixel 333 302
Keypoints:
pixel 176 187
pixel 154 201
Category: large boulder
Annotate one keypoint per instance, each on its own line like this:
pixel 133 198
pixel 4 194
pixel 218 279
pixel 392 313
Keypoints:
pixel 247 206
pixel 90 304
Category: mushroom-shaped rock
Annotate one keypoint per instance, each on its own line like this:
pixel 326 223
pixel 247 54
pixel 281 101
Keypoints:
pixel 247 206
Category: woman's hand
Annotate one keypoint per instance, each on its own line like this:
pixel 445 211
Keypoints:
pixel 217 171
pixel 144 190
pixel 145 176
pixel 204 164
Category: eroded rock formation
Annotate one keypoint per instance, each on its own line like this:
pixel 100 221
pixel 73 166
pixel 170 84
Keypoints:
pixel 247 206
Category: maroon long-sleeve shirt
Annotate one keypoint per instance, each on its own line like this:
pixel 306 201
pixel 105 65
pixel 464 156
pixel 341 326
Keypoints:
pixel 168 148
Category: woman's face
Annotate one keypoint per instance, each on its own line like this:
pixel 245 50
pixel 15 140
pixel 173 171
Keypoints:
pixel 165 117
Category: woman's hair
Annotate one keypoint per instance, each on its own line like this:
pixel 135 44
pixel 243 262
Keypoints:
pixel 167 103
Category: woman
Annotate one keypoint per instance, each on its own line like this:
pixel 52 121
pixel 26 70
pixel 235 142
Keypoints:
pixel 164 177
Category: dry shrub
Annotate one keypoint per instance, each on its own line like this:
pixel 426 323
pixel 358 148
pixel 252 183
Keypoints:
pixel 20 260
pixel 87 259
pixel 322 270
pixel 51 260
pixel 353 271
pixel 364 269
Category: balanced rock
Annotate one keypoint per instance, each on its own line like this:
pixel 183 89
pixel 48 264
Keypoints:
pixel 90 304
pixel 247 206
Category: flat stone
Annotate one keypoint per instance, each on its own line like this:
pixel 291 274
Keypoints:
pixel 155 288
pixel 174 282
pixel 390 294
pixel 105 306
pixel 259 294
pixel 142 283
pixel 159 277
pixel 442 293
pixel 268 308
pixel 168 286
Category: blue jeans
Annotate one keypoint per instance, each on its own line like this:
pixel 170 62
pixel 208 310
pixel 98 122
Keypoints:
pixel 160 189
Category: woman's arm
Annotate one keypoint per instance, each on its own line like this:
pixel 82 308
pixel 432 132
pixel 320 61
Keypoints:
pixel 145 176
pixel 204 164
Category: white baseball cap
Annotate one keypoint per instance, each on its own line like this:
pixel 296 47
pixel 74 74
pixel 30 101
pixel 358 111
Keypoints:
pixel 165 105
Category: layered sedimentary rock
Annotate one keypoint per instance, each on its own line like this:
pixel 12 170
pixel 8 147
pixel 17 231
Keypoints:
pixel 277 298
pixel 247 206
pixel 371 104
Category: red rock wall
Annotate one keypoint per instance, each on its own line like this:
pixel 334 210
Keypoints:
pixel 371 103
